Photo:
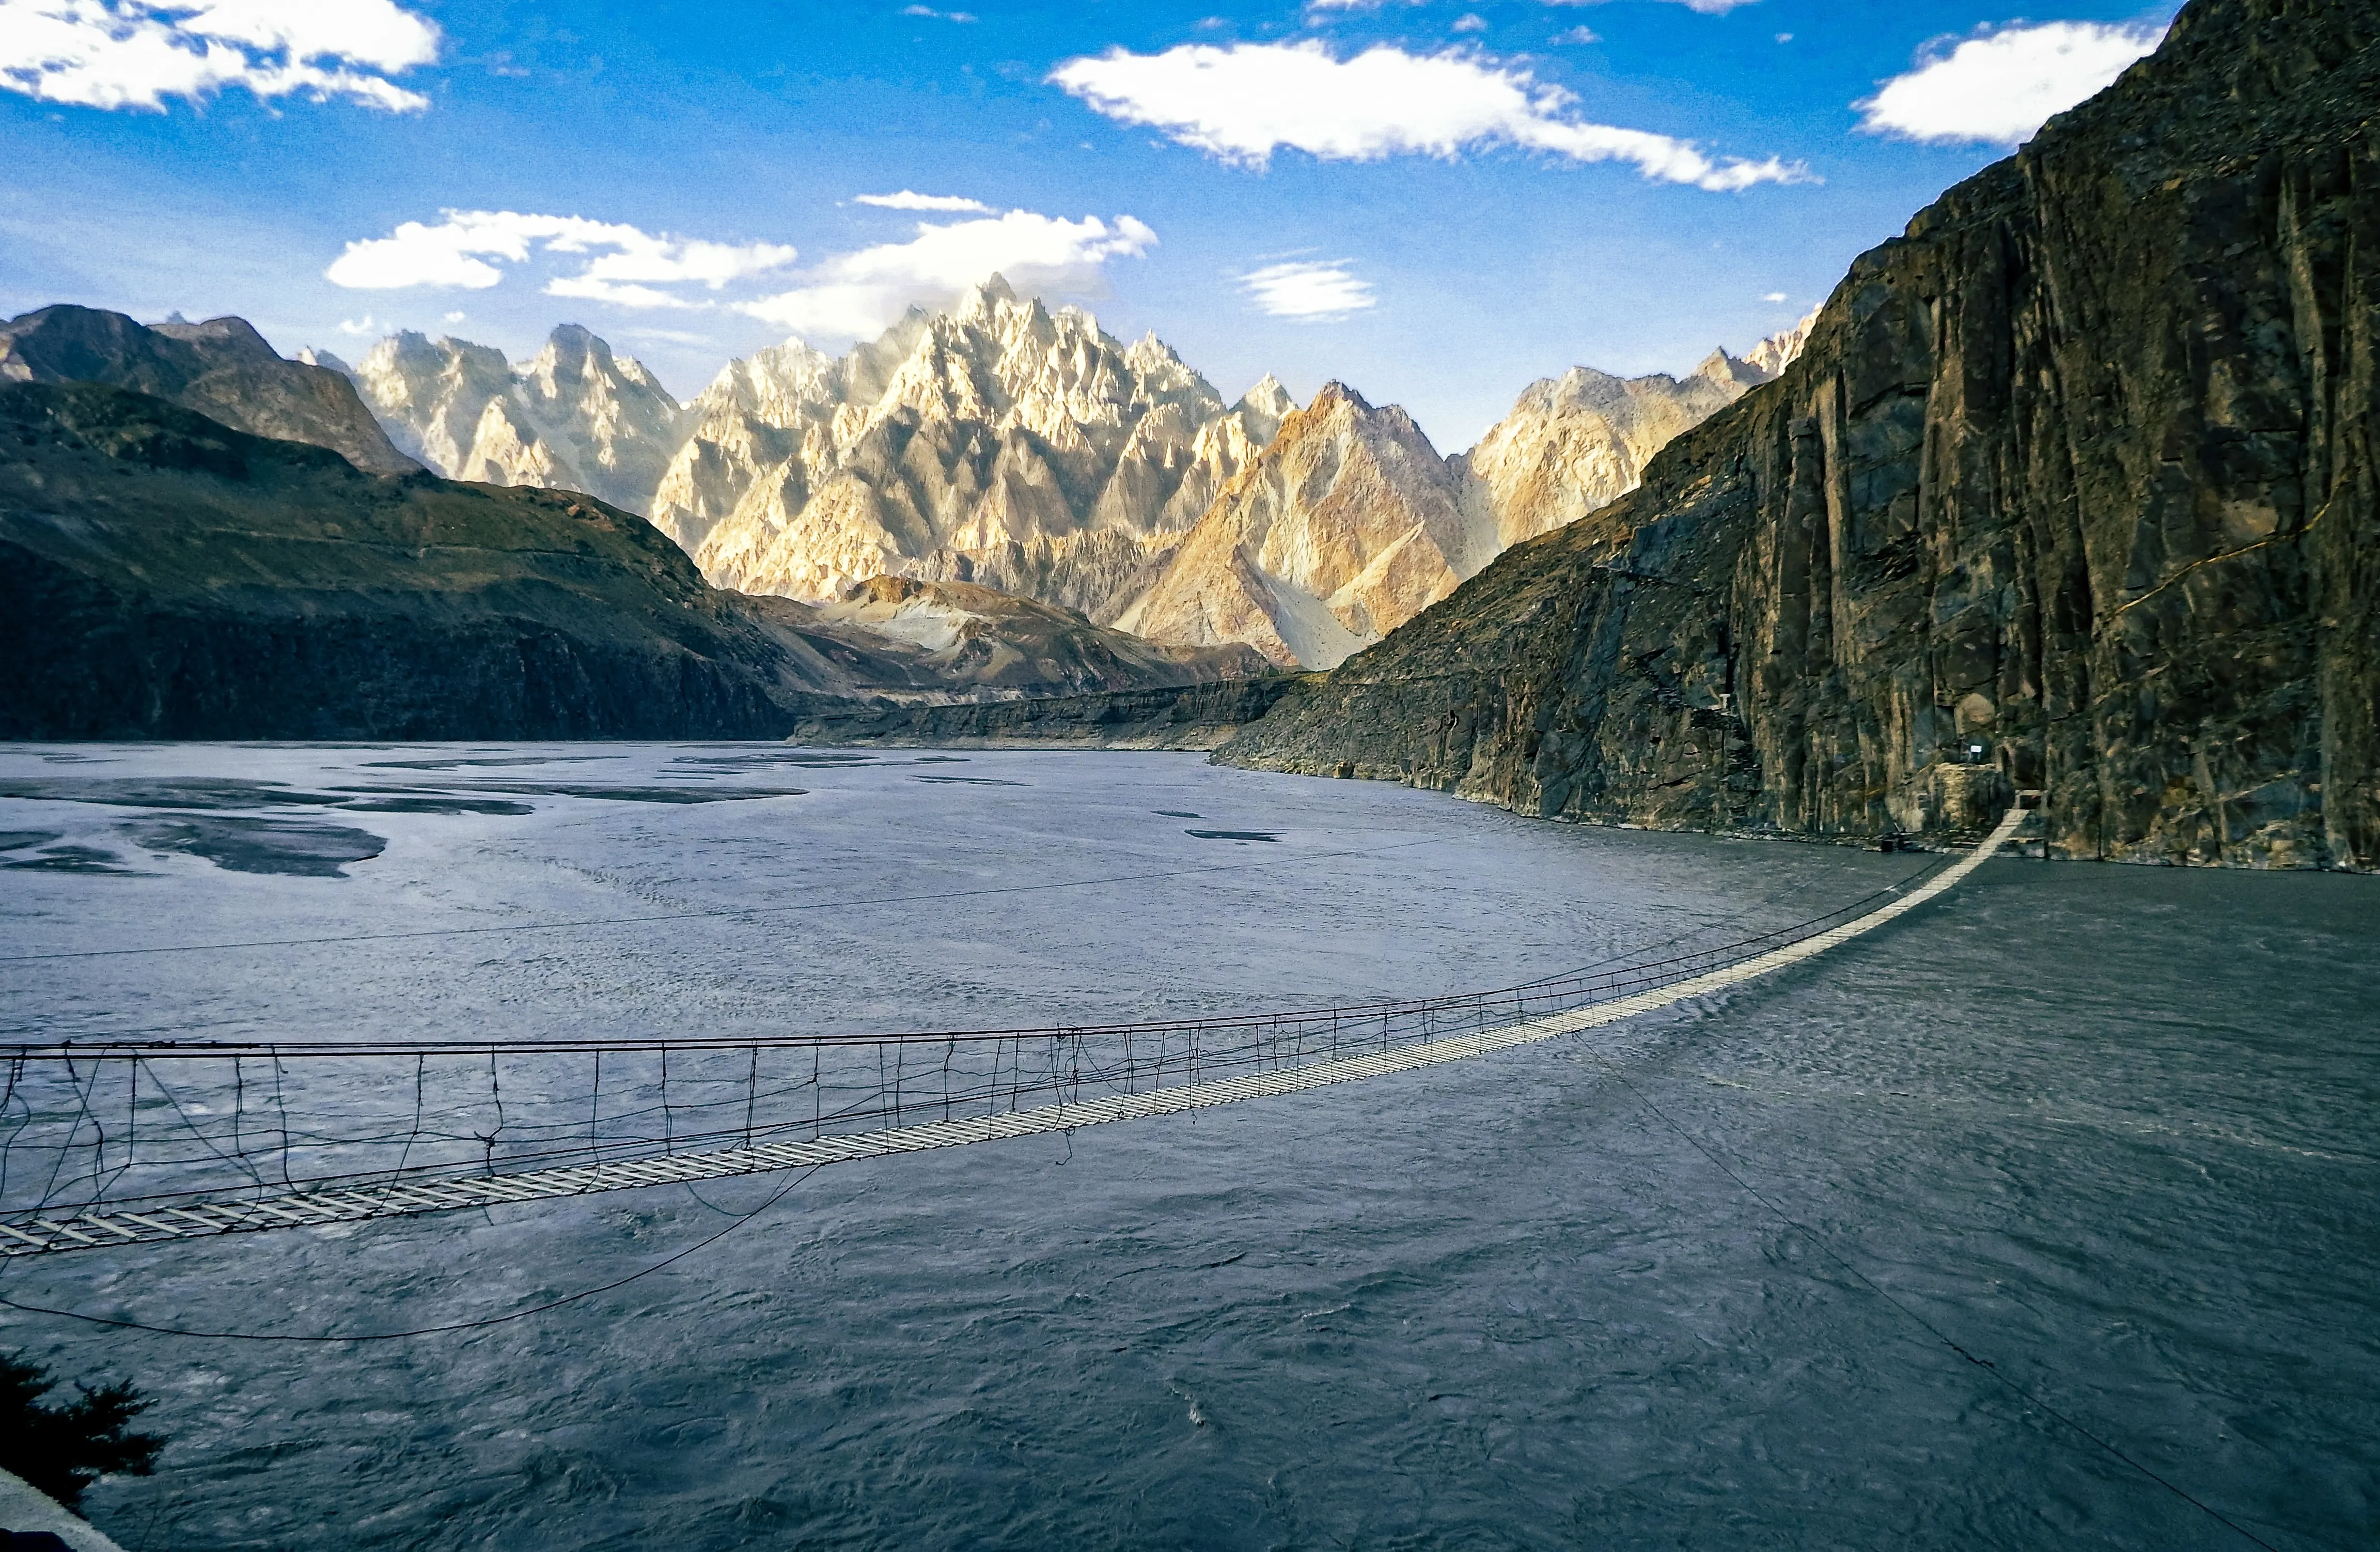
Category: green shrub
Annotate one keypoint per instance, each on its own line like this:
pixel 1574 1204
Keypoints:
pixel 63 1449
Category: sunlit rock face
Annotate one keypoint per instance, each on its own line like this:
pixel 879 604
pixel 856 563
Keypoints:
pixel 1346 527
pixel 575 418
pixel 1000 443
pixel 1581 441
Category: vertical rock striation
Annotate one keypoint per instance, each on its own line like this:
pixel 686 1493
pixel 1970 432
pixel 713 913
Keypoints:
pixel 2079 469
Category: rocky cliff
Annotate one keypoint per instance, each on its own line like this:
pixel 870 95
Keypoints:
pixel 2071 488
pixel 999 443
pixel 575 418
pixel 222 368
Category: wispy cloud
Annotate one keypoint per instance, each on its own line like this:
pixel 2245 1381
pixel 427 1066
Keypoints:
pixel 909 199
pixel 851 296
pixel 626 265
pixel 1705 8
pixel 1242 102
pixel 135 54
pixel 1312 291
pixel 929 12
pixel 1999 87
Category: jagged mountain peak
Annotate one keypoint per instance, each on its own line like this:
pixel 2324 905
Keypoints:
pixel 1730 371
pixel 576 416
pixel 1267 397
pixel 999 443
pixel 1341 530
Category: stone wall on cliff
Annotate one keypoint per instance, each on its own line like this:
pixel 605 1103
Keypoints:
pixel 2079 469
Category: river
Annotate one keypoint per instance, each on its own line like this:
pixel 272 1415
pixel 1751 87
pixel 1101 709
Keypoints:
pixel 2045 1215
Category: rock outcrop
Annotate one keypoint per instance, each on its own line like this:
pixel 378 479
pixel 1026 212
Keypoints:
pixel 222 368
pixel 576 418
pixel 999 443
pixel 1342 530
pixel 2071 488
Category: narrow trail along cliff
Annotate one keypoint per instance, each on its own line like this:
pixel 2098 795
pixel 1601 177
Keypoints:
pixel 2072 489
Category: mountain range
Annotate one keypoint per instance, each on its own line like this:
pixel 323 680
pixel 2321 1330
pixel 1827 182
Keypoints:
pixel 1009 445
pixel 164 573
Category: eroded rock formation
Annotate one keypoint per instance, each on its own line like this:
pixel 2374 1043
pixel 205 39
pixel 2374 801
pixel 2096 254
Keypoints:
pixel 1000 443
pixel 2080 470
pixel 575 418
pixel 1342 530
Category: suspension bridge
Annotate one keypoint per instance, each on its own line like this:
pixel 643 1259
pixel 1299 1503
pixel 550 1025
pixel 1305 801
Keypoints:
pixel 105 1144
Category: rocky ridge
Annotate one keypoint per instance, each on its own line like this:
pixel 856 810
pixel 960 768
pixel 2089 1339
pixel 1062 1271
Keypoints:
pixel 222 368
pixel 2072 488
pixel 1000 443
pixel 575 418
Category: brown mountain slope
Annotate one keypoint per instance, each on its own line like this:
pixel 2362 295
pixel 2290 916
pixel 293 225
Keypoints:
pixel 222 368
pixel 2079 471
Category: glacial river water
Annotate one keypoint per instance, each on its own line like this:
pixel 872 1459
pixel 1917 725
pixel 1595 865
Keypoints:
pixel 2045 1216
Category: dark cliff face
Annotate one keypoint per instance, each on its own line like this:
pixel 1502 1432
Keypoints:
pixel 163 576
pixel 222 368
pixel 2079 471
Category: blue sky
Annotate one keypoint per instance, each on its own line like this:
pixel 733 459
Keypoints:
pixel 1436 202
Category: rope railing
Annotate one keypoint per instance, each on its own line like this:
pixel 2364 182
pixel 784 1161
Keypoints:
pixel 113 1140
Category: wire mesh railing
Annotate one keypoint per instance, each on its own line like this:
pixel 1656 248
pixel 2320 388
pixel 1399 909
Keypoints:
pixel 135 1126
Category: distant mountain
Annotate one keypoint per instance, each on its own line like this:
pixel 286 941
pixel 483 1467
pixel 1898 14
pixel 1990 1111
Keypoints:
pixel 1000 443
pixel 1581 441
pixel 221 368
pixel 1346 526
pixel 163 575
pixel 576 418
pixel 1776 352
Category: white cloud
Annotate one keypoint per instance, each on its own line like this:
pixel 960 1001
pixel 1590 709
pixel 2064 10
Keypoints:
pixel 936 16
pixel 1578 35
pixel 454 317
pixel 854 295
pixel 909 199
pixel 359 326
pixel 628 266
pixel 1774 296
pixel 1705 8
pixel 2002 86
pixel 135 54
pixel 1310 292
pixel 1470 22
pixel 1242 102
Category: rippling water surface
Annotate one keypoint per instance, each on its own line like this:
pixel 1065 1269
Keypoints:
pixel 2028 1220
